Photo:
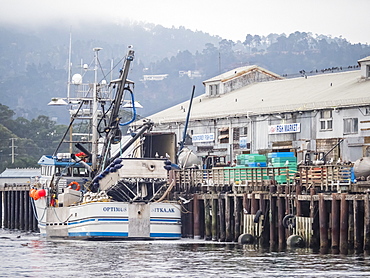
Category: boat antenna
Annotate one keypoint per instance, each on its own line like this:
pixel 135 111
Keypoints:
pixel 95 137
pixel 69 66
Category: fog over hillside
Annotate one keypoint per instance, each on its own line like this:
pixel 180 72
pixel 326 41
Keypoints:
pixel 34 61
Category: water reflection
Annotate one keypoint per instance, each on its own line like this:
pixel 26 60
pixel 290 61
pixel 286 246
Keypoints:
pixel 32 256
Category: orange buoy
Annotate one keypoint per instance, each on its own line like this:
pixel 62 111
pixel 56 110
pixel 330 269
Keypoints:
pixel 71 185
pixel 36 195
pixel 32 192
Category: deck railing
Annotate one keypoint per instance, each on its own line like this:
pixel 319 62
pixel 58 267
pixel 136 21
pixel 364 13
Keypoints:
pixel 329 178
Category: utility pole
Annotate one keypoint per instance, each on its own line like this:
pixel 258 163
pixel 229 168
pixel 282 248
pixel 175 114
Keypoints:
pixel 13 149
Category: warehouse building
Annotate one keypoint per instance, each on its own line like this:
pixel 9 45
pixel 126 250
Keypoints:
pixel 252 110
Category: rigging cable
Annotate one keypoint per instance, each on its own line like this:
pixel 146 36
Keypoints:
pixel 133 109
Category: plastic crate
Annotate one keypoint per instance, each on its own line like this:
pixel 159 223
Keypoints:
pixel 280 154
pixel 256 164
pixel 283 159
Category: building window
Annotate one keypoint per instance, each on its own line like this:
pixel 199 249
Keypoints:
pixel 223 136
pixel 213 90
pixel 244 131
pixel 326 120
pixel 236 134
pixel 350 126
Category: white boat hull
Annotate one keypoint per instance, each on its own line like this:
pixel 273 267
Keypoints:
pixel 111 220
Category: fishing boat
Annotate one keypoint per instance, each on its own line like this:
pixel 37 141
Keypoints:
pixel 103 187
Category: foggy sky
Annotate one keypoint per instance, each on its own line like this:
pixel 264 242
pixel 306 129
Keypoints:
pixel 232 19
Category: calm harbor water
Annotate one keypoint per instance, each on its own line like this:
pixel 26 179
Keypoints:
pixel 28 255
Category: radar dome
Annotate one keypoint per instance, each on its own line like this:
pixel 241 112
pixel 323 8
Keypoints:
pixel 77 79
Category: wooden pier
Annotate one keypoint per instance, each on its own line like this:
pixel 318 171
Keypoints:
pixel 317 207
pixel 16 208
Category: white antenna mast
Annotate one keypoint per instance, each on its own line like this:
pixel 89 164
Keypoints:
pixel 69 66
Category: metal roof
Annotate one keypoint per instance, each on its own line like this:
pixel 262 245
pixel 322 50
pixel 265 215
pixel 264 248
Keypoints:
pixel 364 59
pixel 235 73
pixel 331 90
pixel 20 173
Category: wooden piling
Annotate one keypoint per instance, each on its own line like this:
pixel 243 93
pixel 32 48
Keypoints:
pixel 16 209
pixel 272 222
pixel 1 209
pixel 356 226
pixel 12 210
pixel 214 219
pixel 21 209
pixel 367 223
pixel 27 212
pixel 343 237
pixel 315 239
pixel 207 219
pixel 237 216
pixel 323 222
pixel 254 204
pixel 5 210
pixel 196 219
pixel 281 228
pixel 350 225
pixel 298 204
pixel 335 223
pixel 245 210
pixel 221 221
pixel 228 224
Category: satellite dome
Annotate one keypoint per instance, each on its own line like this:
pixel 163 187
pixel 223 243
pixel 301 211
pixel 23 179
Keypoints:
pixel 77 79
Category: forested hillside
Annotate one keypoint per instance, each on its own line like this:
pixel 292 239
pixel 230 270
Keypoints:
pixel 34 64
pixel 34 68
pixel 31 139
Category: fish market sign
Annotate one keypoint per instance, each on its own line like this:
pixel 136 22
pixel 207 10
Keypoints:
pixel 285 128
pixel 207 137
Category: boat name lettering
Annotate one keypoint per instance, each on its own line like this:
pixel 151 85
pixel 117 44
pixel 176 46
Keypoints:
pixel 166 210
pixel 114 209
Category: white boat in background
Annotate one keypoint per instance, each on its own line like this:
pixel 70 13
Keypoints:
pixel 104 188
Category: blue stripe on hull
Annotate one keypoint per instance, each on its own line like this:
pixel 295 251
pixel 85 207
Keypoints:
pixel 98 219
pixel 165 220
pixel 118 234
pixel 164 235
pixel 98 234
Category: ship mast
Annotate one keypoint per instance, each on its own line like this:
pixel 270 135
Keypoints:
pixel 113 124
pixel 95 137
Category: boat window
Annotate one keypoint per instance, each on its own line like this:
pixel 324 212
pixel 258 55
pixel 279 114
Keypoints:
pixel 79 172
pixel 62 171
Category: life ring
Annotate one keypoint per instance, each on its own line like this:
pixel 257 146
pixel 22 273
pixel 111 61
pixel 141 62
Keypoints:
pixel 76 184
pixel 289 219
